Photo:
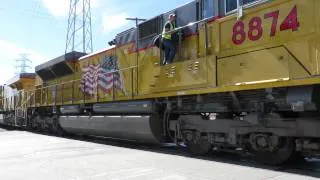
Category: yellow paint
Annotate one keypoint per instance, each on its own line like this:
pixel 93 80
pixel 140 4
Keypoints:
pixel 24 83
pixel 182 75
pixel 239 87
pixel 306 19
pixel 260 65
pixel 290 58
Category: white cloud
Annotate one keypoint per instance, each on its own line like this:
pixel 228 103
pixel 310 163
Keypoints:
pixel 9 52
pixel 94 3
pixel 60 8
pixel 57 8
pixel 114 21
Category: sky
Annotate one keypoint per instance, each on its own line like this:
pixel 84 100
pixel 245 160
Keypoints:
pixel 38 28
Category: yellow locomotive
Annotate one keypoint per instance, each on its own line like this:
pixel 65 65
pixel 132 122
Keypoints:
pixel 245 76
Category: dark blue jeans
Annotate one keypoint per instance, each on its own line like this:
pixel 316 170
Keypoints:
pixel 170 51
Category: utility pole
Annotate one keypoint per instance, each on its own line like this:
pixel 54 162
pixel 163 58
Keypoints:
pixel 23 64
pixel 113 42
pixel 79 32
pixel 137 22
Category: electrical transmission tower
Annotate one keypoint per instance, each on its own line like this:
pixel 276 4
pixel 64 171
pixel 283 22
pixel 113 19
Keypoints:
pixel 79 35
pixel 23 64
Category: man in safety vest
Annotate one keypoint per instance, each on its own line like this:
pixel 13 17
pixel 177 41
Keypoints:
pixel 167 39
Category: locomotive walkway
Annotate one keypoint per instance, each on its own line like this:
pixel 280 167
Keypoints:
pixel 25 155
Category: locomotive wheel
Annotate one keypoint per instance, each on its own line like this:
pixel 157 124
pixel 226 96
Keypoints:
pixel 200 147
pixel 281 155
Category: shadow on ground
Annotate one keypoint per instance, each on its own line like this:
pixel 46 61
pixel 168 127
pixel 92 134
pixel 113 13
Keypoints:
pixel 307 167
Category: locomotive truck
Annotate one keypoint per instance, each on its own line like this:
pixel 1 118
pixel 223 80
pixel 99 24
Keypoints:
pixel 245 77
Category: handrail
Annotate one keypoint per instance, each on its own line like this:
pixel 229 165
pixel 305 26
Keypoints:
pixel 76 80
pixel 131 67
pixel 149 36
pixel 185 26
pixel 178 29
pixel 33 92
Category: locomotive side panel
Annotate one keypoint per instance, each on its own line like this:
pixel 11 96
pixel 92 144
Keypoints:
pixel 149 58
pixel 106 77
pixel 189 68
pixel 273 24
pixel 125 60
pixel 260 39
pixel 148 70
pixel 89 91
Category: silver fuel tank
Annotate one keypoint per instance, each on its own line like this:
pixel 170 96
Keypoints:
pixel 143 129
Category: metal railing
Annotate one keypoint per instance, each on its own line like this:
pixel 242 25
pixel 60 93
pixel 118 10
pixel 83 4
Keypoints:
pixel 74 92
pixel 70 92
pixel 179 31
pixel 188 25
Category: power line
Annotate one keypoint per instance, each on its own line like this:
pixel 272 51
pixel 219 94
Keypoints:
pixel 23 64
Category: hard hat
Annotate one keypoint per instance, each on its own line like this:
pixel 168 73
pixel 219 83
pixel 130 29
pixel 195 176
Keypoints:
pixel 172 15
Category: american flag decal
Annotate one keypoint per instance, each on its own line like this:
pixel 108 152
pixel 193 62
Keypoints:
pixel 104 76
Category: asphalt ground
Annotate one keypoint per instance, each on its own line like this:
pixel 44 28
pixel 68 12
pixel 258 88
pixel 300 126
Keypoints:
pixel 34 156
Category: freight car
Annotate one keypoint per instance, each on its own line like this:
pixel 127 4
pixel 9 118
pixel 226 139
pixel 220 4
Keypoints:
pixel 246 76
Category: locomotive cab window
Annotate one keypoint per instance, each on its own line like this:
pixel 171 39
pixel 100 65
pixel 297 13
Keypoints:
pixel 232 5
pixel 149 28
pixel 207 9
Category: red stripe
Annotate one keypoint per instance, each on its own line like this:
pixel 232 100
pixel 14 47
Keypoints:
pixel 192 34
pixel 131 42
pixel 214 18
pixel 145 48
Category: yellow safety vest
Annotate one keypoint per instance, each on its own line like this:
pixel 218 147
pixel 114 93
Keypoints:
pixel 167 35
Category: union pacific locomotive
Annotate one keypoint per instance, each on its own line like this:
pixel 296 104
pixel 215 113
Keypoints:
pixel 245 77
